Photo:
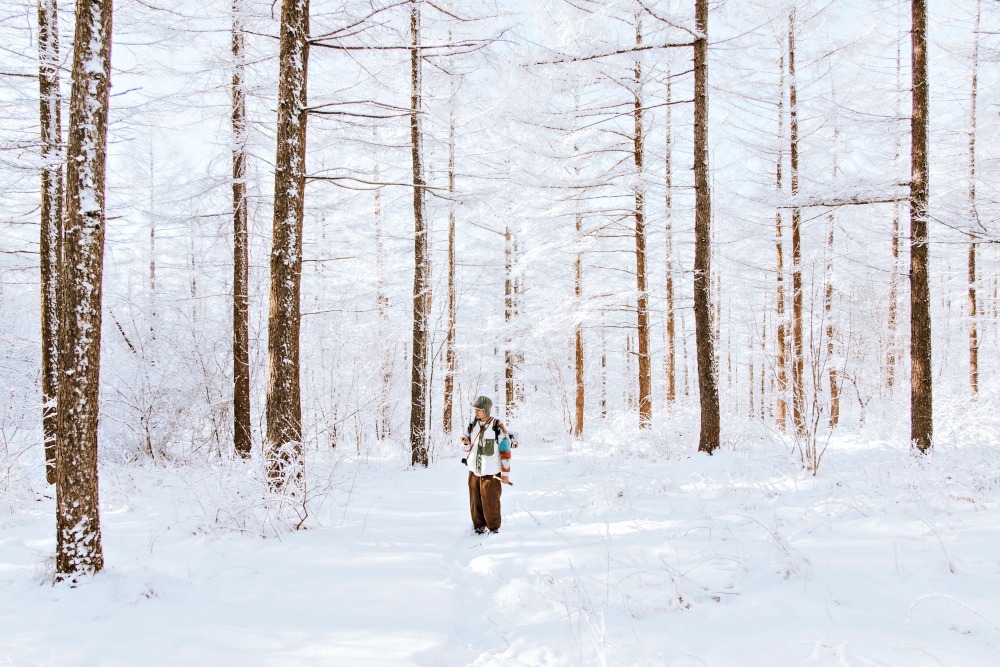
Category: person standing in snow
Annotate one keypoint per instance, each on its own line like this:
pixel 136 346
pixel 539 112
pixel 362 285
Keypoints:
pixel 486 446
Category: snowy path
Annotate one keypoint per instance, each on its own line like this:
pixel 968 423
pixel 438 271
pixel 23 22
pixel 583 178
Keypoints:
pixel 602 560
pixel 395 578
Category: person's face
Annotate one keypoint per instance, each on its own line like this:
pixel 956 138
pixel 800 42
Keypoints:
pixel 481 414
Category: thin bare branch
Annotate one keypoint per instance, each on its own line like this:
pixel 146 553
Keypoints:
pixel 620 52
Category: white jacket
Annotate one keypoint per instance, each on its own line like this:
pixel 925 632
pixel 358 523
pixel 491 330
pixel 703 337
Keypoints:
pixel 483 453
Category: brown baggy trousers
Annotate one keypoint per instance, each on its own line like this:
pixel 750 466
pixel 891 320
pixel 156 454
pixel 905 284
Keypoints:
pixel 484 501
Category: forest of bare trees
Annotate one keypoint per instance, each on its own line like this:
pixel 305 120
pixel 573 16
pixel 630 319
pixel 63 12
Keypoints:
pixel 684 219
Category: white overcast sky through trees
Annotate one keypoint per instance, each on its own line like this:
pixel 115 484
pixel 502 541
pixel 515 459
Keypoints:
pixel 543 131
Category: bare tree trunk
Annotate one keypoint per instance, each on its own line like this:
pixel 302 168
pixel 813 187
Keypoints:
pixel 193 265
pixel 798 361
pixel 642 296
pixel 153 305
pixel 921 380
pixel 630 396
pixel 891 350
pixel 685 366
pixel 512 357
pixel 578 333
pixel 604 376
pixel 50 242
pixel 781 345
pixel 421 253
pixel 834 416
pixel 242 439
pixel 284 400
pixel 716 311
pixel 828 309
pixel 508 313
pixel 449 377
pixel 709 436
pixel 383 426
pixel 752 412
pixel 669 325
pixel 763 374
pixel 973 329
pixel 890 361
pixel 78 527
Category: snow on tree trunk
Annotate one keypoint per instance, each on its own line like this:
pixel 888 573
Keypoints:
pixel 50 242
pixel 798 344
pixel 921 380
pixel 578 355
pixel 78 527
pixel 973 330
pixel 828 288
pixel 780 344
pixel 383 425
pixel 708 438
pixel 830 330
pixel 449 377
pixel 670 358
pixel 512 305
pixel 642 296
pixel 891 355
pixel 284 404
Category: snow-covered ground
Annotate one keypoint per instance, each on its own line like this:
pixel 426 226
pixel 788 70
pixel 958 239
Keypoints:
pixel 739 559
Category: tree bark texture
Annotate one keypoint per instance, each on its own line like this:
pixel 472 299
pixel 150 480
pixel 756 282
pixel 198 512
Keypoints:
pixel 511 356
pixel 242 441
pixel 642 295
pixel 421 254
pixel 578 333
pixel 893 316
pixel 921 380
pixel 152 243
pixel 781 344
pixel 709 436
pixel 834 416
pixel 973 296
pixel 283 401
pixel 604 376
pixel 50 241
pixel 78 529
pixel 798 352
pixel 449 355
pixel 891 355
pixel 670 357
pixel 383 426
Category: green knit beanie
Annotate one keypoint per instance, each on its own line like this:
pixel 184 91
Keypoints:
pixel 483 403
